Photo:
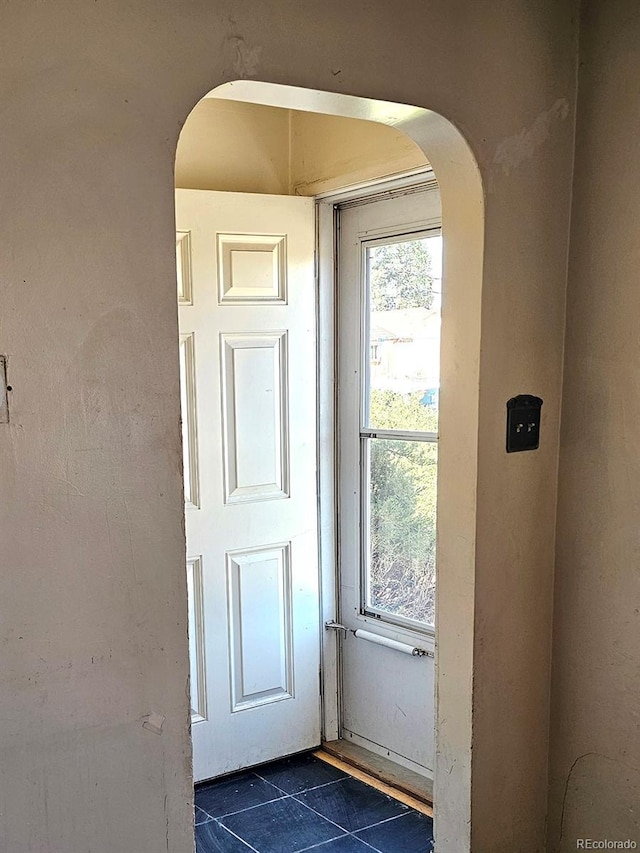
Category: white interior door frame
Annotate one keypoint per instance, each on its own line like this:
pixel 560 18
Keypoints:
pixel 326 255
pixel 328 504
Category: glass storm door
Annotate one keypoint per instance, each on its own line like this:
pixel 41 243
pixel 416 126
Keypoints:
pixel 388 354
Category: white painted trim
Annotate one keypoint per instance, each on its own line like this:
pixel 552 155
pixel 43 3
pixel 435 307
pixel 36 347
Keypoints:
pixel 365 191
pixel 327 488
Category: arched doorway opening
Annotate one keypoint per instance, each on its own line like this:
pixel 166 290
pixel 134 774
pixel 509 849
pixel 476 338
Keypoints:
pixel 462 228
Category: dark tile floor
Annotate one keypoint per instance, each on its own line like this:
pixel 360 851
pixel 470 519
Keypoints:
pixel 303 803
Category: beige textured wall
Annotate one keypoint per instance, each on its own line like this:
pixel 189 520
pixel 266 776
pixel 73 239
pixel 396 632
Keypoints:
pixel 93 96
pixel 595 747
pixel 244 147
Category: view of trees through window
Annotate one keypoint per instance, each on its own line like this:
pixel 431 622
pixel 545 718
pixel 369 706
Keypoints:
pixel 404 335
pixel 401 276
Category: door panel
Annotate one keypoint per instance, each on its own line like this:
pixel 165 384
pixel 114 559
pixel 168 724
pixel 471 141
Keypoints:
pixel 247 322
pixel 388 349
pixel 254 413
pixel 261 643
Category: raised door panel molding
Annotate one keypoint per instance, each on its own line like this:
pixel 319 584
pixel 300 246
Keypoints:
pixel 189 421
pixel 195 602
pixel 255 416
pixel 252 269
pixel 260 626
pixel 183 267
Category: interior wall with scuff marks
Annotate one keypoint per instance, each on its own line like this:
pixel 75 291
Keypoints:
pixel 595 723
pixel 244 147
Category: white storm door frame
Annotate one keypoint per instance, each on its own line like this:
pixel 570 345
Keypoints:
pixel 328 505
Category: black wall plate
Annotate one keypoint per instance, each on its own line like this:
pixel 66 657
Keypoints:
pixel 523 423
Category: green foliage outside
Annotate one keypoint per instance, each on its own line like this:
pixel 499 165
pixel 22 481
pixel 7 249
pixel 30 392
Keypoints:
pixel 403 473
pixel 403 509
pixel 400 276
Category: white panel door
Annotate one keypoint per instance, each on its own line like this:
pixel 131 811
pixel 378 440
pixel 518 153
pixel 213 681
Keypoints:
pixel 246 297
pixel 388 355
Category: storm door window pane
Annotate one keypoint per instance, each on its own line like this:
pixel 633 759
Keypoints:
pixel 401 380
pixel 403 330
pixel 401 530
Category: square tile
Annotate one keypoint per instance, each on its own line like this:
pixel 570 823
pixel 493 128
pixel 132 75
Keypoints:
pixel 283 826
pixel 234 794
pixel 300 772
pixel 213 838
pixel 352 804
pixel 411 833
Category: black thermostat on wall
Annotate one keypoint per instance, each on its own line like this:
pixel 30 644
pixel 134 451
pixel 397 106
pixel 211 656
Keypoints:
pixel 523 423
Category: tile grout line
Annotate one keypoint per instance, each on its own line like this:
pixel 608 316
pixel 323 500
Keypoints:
pixel 196 809
pixel 344 831
pixel 231 832
pixel 304 790
pixel 348 831
pixel 277 787
pixel 321 843
pixel 328 819
pixel 329 840
pixel 380 822
pixel 246 809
